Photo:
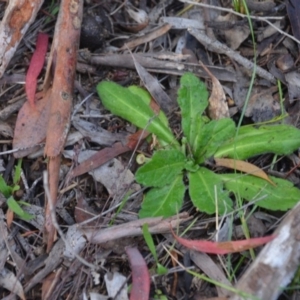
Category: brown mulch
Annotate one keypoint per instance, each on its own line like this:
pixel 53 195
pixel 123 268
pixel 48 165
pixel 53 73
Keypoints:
pixel 109 36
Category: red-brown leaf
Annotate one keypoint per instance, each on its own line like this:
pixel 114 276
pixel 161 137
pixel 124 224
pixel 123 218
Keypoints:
pixel 108 153
pixel 222 247
pixel 31 126
pixel 140 275
pixel 35 67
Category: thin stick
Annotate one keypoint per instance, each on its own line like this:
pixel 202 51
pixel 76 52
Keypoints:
pixel 55 224
pixel 229 10
pixel 220 48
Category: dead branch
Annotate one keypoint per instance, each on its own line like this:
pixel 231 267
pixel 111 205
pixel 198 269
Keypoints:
pixel 220 48
pixel 276 264
pixel 19 15
pixel 158 65
pixel 63 57
pixel 134 228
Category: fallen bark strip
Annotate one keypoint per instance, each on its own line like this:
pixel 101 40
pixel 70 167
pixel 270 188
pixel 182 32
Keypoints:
pixel 19 15
pixel 216 46
pixel 276 264
pixel 63 58
pixel 160 66
pixel 134 228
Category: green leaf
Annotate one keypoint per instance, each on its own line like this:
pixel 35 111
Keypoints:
pixel 251 141
pixel 149 241
pixel 146 97
pixel 162 169
pixel 15 188
pixel 280 197
pixel 205 187
pixel 165 201
pixel 212 135
pixel 5 189
pixel 191 166
pixel 123 103
pixel 24 203
pixel 123 202
pixel 14 206
pixel 193 100
pixel 18 171
pixel 17 209
pixel 160 269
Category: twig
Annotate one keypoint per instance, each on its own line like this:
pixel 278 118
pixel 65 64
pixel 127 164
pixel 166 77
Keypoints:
pixel 14 26
pixel 55 224
pixel 220 48
pixel 134 228
pixel 81 104
pixel 276 264
pixel 229 10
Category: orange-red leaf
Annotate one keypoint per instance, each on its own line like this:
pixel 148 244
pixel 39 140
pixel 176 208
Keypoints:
pixel 9 217
pixel 35 67
pixel 222 247
pixel 140 275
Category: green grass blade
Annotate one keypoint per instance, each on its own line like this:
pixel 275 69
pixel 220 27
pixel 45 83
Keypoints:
pixel 160 269
pixel 17 209
pixel 5 189
pixel 149 241
pixel 18 171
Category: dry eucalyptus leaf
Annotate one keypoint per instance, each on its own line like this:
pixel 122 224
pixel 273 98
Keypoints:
pixel 269 31
pixel 154 88
pixel 96 296
pixel 293 82
pixel 285 62
pixel 114 282
pixel 263 107
pixel 9 281
pixel 182 23
pixel 113 175
pixel 97 134
pixel 293 11
pixel 75 242
pixel 210 268
pixel 235 35
pixel 217 108
pixel 138 15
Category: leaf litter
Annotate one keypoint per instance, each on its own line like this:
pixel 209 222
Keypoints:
pixel 110 201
